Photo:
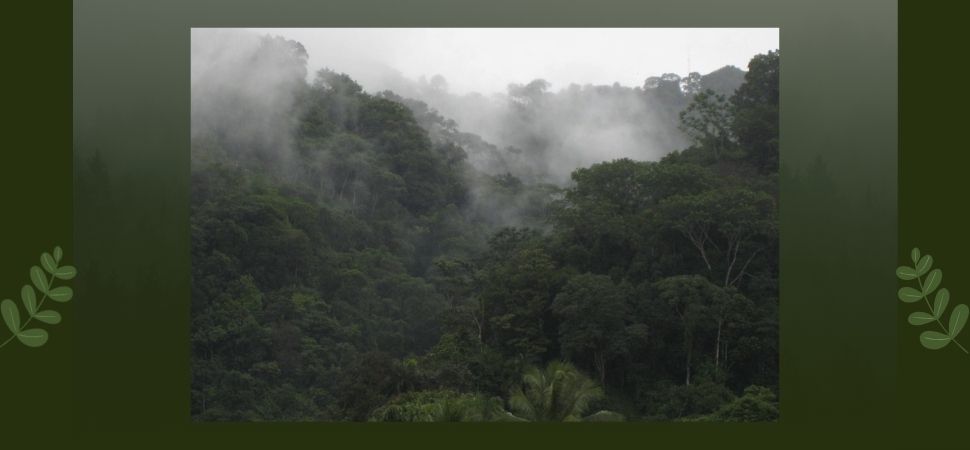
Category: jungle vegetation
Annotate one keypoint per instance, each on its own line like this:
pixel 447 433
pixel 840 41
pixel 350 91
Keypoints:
pixel 374 262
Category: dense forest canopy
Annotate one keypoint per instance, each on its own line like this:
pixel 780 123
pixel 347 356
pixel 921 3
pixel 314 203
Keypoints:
pixel 364 256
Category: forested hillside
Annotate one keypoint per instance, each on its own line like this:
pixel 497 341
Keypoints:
pixel 362 256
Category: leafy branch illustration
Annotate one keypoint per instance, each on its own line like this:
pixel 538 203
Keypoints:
pixel 43 283
pixel 931 339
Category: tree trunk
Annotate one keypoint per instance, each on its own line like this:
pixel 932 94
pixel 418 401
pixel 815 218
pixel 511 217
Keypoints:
pixel 480 321
pixel 600 360
pixel 688 362
pixel 717 349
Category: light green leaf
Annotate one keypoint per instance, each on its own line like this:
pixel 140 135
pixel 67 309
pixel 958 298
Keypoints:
pixel 933 340
pixel 11 315
pixel 58 254
pixel 65 272
pixel 29 298
pixel 48 316
pixel 958 318
pixel 909 295
pixel 34 337
pixel 906 273
pixel 921 318
pixel 38 278
pixel 61 294
pixel 924 265
pixel 914 255
pixel 939 304
pixel 47 261
pixel 933 281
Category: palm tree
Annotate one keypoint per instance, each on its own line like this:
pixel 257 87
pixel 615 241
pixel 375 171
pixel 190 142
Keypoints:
pixel 558 393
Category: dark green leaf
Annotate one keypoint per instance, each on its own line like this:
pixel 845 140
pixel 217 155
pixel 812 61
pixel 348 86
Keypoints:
pixel 909 295
pixel 65 272
pixel 29 298
pixel 604 416
pixel 48 316
pixel 939 304
pixel 58 254
pixel 924 265
pixel 933 281
pixel 958 318
pixel 34 337
pixel 11 315
pixel 47 261
pixel 906 273
pixel 933 340
pixel 921 318
pixel 61 294
pixel 39 279
pixel 914 255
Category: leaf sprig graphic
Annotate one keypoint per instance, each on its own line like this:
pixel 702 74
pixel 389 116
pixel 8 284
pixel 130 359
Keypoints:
pixel 43 282
pixel 928 281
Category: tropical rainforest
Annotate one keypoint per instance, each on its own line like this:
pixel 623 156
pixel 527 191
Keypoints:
pixel 360 256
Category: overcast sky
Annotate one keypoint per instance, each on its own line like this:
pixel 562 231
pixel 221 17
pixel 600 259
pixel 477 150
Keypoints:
pixel 487 59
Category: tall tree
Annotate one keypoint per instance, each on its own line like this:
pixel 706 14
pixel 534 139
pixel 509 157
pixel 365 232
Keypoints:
pixel 592 311
pixel 755 108
pixel 728 228
pixel 690 297
pixel 708 122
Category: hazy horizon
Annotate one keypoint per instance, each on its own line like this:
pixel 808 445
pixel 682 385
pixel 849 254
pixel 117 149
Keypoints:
pixel 577 129
pixel 486 60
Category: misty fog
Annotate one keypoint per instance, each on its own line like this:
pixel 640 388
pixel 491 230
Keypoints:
pixel 409 225
pixel 533 130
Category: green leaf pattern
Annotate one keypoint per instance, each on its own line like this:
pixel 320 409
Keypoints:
pixel 928 280
pixel 42 281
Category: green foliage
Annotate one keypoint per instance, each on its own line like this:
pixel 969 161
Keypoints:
pixel 926 286
pixel 707 120
pixel 520 281
pixel 392 267
pixel 593 312
pixel 694 300
pixel 558 393
pixel 682 402
pixel 440 406
pixel 726 227
pixel 42 280
pixel 757 404
pixel 755 111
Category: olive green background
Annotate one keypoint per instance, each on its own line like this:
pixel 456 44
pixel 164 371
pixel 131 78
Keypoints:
pixel 116 368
